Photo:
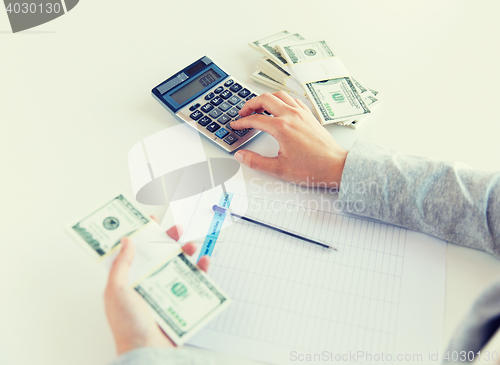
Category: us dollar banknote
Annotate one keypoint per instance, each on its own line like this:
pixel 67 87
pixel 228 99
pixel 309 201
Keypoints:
pixel 267 46
pixel 100 231
pixel 256 44
pixel 345 101
pixel 334 99
pixel 183 298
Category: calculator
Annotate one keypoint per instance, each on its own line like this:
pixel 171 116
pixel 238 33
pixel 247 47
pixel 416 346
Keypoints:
pixel 208 99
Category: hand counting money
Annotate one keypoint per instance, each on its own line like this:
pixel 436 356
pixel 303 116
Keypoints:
pixel 182 297
pixel 309 70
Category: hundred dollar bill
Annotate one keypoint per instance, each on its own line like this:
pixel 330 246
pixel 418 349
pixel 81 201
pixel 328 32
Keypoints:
pixel 266 80
pixel 271 38
pixel 369 95
pixel 360 87
pixel 272 69
pixel 182 297
pixel 279 74
pixel 333 99
pixel 269 48
pixel 100 231
pixel 263 79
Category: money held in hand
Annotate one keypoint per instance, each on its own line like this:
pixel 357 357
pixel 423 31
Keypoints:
pixel 182 297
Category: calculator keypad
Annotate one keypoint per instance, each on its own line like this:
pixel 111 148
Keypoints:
pixel 207 107
pixel 213 127
pixel 224 119
pixel 231 139
pixel 232 112
pixel 244 93
pixel 216 113
pixel 222 106
pixel 234 100
pixel 216 101
pixel 235 88
pixel 204 121
pixel 221 133
pixel 196 115
pixel 241 132
pixel 226 94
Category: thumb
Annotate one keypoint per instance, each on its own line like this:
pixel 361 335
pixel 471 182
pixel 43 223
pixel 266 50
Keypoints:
pixel 118 275
pixel 258 162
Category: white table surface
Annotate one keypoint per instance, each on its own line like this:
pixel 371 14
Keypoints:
pixel 75 96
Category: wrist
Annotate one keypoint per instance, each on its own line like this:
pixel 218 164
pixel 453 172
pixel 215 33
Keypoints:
pixel 338 168
pixel 131 343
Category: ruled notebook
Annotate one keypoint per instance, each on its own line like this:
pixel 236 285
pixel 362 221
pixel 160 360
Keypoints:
pixel 384 286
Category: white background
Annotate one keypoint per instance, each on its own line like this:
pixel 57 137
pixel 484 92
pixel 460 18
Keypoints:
pixel 75 97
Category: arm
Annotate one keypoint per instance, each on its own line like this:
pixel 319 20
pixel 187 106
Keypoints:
pixel 443 199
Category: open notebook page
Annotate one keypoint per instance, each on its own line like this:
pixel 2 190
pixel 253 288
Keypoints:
pixel 381 292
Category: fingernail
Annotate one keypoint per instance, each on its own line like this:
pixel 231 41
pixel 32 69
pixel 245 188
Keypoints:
pixel 239 156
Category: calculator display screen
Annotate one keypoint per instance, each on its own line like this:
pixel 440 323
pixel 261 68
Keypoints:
pixel 195 86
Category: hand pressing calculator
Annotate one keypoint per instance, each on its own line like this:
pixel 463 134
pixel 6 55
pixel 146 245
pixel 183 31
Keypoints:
pixel 208 99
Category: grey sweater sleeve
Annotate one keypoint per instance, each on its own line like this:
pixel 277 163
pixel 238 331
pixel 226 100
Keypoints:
pixel 162 356
pixel 444 199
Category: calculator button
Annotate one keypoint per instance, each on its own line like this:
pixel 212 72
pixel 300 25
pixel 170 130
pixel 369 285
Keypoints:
pixel 224 119
pixel 204 121
pixel 218 90
pixel 226 94
pixel 228 83
pixel 244 93
pixel 216 113
pixel 194 106
pixel 224 106
pixel 241 132
pixel 251 97
pixel 234 100
pixel 240 105
pixel 233 112
pixel 209 96
pixel 221 133
pixel 235 88
pixel 231 139
pixel 216 101
pixel 207 107
pixel 213 127
pixel 196 115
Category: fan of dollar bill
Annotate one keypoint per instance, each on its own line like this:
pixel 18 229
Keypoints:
pixel 309 71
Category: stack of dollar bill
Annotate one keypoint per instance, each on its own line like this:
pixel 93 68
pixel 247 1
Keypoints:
pixel 309 70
